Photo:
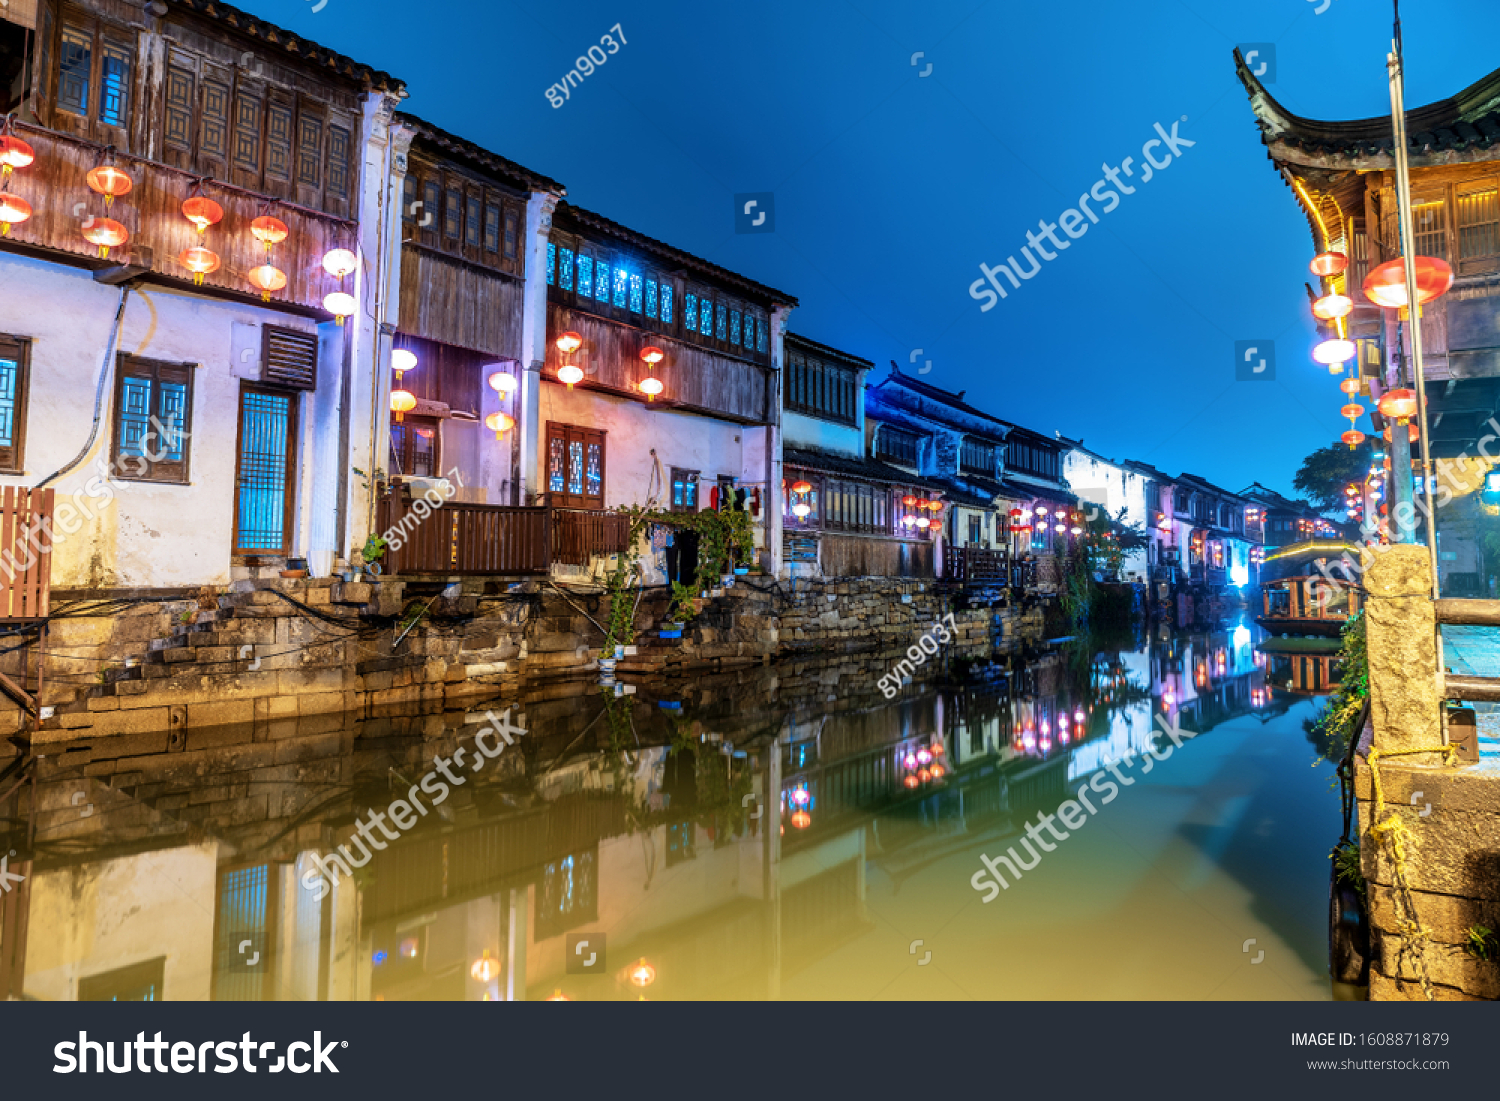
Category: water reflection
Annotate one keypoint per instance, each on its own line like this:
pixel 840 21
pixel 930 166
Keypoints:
pixel 782 832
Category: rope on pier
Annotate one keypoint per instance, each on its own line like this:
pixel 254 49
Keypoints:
pixel 1390 830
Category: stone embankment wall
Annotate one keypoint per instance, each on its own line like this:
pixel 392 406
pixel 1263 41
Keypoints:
pixel 1448 814
pixel 272 649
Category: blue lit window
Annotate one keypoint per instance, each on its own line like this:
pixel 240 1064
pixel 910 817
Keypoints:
pixel 566 269
pixel 705 317
pixel 734 326
pixel 601 281
pixel 635 293
pixel 622 286
pixel 650 297
pixel 586 276
pixel 762 330
pixel 666 304
pixel 719 331
pixel 551 264
pixel 691 321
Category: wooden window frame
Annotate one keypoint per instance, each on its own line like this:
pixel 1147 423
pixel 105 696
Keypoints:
pixel 18 348
pixel 979 450
pixel 401 458
pixel 883 437
pixel 289 503
pixel 98 29
pixel 568 432
pixel 691 477
pixel 128 366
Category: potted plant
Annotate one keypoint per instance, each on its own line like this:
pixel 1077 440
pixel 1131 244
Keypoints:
pixel 371 554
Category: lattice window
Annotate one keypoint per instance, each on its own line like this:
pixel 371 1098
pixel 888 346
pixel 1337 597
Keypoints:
pixel 635 292
pixel 153 421
pixel 585 275
pixel 651 298
pixel 601 281
pixel 1479 224
pixel 491 227
pixel 338 161
pixel 622 286
pixel 512 234
pixel 75 69
pixel 15 359
pixel 690 320
pixel 247 134
pixel 551 264
pixel 721 330
pixel 310 154
pixel 472 223
pixel 279 141
pixel 565 269
pixel 666 304
pixel 1430 226
pixel 179 116
pixel 114 81
pixel 453 215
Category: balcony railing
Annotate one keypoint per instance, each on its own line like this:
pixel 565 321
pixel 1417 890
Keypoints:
pixel 470 539
pixel 976 566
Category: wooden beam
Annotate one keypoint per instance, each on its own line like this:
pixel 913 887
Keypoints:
pixel 21 697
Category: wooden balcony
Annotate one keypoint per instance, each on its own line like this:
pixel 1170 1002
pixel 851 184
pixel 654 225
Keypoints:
pixel 456 539
pixel 976 567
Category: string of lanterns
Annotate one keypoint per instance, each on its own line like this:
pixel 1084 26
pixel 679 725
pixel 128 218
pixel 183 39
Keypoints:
pixel 14 153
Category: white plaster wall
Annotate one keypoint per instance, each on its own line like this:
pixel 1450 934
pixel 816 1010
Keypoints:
pixel 1121 488
pixel 152 534
pixel 103 915
pixel 711 447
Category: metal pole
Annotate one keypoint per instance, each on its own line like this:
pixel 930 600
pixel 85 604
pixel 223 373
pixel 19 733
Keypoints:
pixel 1414 311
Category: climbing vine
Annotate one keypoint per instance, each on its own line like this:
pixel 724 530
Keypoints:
pixel 1335 726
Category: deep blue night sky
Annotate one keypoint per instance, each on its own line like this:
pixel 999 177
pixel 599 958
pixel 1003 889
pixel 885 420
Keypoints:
pixel 892 188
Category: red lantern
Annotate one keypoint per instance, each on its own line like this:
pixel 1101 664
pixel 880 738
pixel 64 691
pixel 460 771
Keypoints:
pixel 652 355
pixel 651 387
pixel 570 375
pixel 1327 264
pixel 268 279
pixel 109 181
pixel 569 342
pixel 801 819
pixel 1386 285
pixel 908 500
pixel 1350 386
pixel 271 231
pixel 106 233
pixel 1411 434
pixel 801 487
pixel 1352 411
pixel 202 212
pixel 14 153
pixel 1354 437
pixel 198 260
pixel 13 209
pixel 1399 405
pixel 499 423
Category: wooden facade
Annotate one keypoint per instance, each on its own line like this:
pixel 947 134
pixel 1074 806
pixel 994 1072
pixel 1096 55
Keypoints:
pixel 696 378
pixel 25 552
pixel 458 303
pixel 61 201
pixel 857 556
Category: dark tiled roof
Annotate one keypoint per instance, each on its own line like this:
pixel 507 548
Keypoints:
pixel 793 339
pixel 831 463
pixel 704 268
pixel 250 25
pixel 942 397
pixel 1023 491
pixel 478 156
pixel 1204 483
pixel 1464 127
pixel 966 493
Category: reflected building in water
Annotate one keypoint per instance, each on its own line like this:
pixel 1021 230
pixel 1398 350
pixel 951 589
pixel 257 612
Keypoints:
pixel 710 843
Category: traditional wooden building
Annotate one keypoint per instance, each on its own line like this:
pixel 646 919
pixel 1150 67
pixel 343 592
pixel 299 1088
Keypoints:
pixel 843 511
pixel 1342 174
pixel 1217 550
pixel 660 383
pixel 1116 490
pixel 170 361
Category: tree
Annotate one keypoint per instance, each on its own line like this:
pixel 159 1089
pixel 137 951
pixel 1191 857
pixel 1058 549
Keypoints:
pixel 1326 472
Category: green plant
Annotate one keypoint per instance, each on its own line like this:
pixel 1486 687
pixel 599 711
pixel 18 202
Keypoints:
pixel 682 607
pixel 187 617
pixel 1346 867
pixel 1482 943
pixel 374 549
pixel 1336 724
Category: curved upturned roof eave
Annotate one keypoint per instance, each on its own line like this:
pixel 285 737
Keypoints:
pixel 1463 127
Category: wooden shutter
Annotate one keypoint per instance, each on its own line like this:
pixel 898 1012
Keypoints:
pixel 289 357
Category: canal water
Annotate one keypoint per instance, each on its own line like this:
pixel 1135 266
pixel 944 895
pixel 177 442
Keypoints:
pixel 781 832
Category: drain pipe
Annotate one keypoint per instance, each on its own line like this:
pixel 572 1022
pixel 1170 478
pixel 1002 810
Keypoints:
pixel 104 374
